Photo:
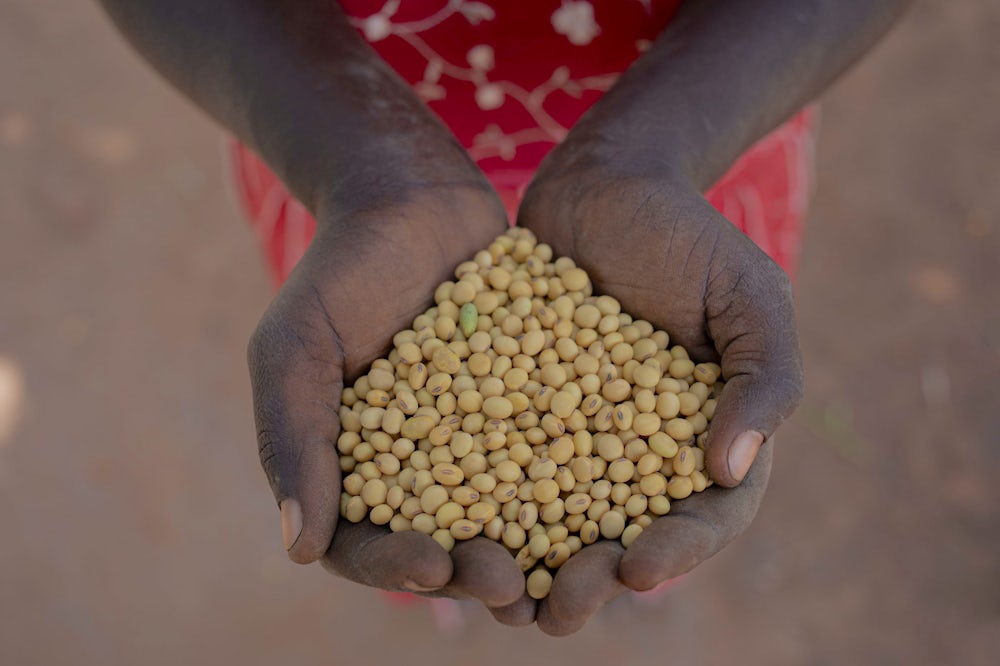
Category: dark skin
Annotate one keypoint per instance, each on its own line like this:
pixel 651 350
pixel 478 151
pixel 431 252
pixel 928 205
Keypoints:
pixel 399 204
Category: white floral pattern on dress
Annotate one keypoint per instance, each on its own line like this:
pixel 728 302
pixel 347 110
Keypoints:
pixel 575 20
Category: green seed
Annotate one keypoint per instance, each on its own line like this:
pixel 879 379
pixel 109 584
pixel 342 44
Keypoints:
pixel 468 319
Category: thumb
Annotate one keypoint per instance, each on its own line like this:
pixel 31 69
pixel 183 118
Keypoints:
pixel 297 384
pixel 752 321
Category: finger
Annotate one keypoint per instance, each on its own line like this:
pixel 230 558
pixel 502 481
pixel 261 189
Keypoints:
pixel 484 570
pixel 296 392
pixel 586 582
pixel 695 529
pixel 399 561
pixel 521 613
pixel 751 318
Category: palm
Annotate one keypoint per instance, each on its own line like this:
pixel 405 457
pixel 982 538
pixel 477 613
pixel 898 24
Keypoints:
pixel 336 314
pixel 668 257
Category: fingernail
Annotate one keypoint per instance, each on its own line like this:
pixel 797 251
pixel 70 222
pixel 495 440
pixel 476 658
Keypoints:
pixel 742 453
pixel 291 522
pixel 415 587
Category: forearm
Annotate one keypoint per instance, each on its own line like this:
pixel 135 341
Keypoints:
pixel 724 74
pixel 294 81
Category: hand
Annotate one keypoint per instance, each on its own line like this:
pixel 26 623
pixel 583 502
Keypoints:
pixel 671 259
pixel 365 276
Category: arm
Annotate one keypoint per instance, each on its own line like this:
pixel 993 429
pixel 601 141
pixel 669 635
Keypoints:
pixel 296 83
pixel 721 76
pixel 398 204
pixel 622 196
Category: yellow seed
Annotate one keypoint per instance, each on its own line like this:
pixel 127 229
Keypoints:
pixel 439 435
pixel 374 492
pixel 646 425
pixel 562 405
pixel 663 445
pixel 553 375
pixel 622 417
pixel 679 429
pixel 583 469
pixel 439 454
pixel 423 523
pixel 636 505
pixel 612 524
pixel 652 484
pixel 353 483
pixel 589 532
pixel 380 378
pixel 371 418
pixel 680 368
pixel 444 539
pixel 577 503
pixel 630 534
pixel 438 383
pixel 448 474
pixel 464 496
pixel 545 491
pixel 706 373
pixel 659 505
pixel 493 528
pixel 521 454
pixel 620 492
pixel 347 442
pixel 422 478
pixel 699 423
pixel 387 463
pixel 542 468
pixel 552 512
pixel 508 471
pixel 400 523
pixel 448 513
pixel 497 407
pixel 513 536
pixel 510 510
pixel 481 512
pixel 410 353
pixel 610 447
pixel 689 403
pixel 504 492
pixel 356 510
pixel 538 584
pixel 684 462
pixel 616 390
pixel 621 470
pixel 575 279
pixel 483 483
pixel 417 427
pixel 557 555
pixel 407 403
pixel 464 529
pixel 528 515
pixel 433 498
pixel 680 487
pixel 381 514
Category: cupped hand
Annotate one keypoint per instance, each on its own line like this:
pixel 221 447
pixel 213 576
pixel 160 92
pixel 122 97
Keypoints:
pixel 658 247
pixel 365 276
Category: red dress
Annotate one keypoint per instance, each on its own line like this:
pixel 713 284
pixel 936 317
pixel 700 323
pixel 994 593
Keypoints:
pixel 510 79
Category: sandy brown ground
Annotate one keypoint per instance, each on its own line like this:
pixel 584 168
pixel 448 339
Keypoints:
pixel 136 527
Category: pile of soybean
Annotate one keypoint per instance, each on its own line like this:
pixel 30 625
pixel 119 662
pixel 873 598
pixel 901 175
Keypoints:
pixel 524 408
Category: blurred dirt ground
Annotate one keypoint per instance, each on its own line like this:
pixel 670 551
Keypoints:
pixel 136 527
